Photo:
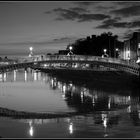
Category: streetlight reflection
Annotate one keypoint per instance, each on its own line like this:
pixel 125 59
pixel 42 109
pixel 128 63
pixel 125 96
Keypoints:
pixel 71 128
pixel 4 76
pixel 105 120
pixel 31 51
pixel 14 75
pixel 25 75
pixel 35 76
pixel 31 130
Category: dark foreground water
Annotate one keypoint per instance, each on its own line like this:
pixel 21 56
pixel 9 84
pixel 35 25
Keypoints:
pixel 109 111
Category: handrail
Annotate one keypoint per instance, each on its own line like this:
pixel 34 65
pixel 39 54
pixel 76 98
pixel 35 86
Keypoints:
pixel 81 58
pixel 91 58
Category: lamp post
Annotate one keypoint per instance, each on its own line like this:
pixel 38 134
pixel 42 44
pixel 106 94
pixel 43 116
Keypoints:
pixel 105 50
pixel 105 54
pixel 116 52
pixel 31 51
pixel 70 51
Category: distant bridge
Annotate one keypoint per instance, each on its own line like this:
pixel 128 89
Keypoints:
pixel 76 62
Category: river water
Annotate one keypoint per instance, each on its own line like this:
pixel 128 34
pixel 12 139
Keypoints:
pixel 108 112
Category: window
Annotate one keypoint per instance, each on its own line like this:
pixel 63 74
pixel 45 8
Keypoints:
pixel 139 45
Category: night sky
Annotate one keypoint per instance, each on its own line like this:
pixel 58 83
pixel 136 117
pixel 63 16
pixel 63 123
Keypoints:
pixel 51 26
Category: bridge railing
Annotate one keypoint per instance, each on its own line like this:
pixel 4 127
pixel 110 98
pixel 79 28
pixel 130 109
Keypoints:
pixel 91 58
pixel 80 58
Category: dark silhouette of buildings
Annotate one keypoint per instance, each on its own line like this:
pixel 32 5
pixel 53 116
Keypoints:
pixel 106 43
pixel 95 45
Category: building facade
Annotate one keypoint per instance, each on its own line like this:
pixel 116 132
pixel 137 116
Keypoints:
pixel 131 49
pixel 126 50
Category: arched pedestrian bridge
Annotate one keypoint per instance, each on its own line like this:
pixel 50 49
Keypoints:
pixel 76 62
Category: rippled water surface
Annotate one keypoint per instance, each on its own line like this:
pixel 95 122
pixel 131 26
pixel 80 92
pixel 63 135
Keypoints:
pixel 108 112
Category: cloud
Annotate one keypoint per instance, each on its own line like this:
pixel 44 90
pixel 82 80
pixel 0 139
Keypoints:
pixel 127 34
pixel 66 39
pixel 52 45
pixel 78 9
pixel 128 3
pixel 114 23
pixel 78 14
pixel 127 11
pixel 101 7
pixel 5 3
pixel 66 14
pixel 90 17
pixel 74 9
pixel 84 3
pixel 135 24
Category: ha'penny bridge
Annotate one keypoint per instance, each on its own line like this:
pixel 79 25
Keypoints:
pixel 63 63
pixel 75 63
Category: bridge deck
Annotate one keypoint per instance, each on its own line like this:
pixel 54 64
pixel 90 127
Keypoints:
pixel 58 60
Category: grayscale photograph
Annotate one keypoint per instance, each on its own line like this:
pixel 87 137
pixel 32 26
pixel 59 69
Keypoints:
pixel 69 69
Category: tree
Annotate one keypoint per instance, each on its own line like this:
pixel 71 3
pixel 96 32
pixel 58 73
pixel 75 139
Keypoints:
pixel 95 45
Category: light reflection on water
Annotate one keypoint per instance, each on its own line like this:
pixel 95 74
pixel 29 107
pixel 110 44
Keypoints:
pixel 108 113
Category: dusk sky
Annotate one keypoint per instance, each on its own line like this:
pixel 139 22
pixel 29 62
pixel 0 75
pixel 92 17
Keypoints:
pixel 51 26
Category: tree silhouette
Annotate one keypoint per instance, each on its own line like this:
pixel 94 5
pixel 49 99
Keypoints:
pixel 95 45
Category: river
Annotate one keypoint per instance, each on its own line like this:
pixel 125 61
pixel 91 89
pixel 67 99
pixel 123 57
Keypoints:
pixel 107 111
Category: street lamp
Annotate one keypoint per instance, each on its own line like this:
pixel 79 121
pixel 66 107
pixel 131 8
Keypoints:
pixel 105 50
pixel 116 52
pixel 31 48
pixel 70 52
pixel 70 48
pixel 31 51
pixel 105 54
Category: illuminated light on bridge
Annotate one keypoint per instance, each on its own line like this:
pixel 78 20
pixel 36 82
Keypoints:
pixel 31 51
pixel 76 65
pixel 116 49
pixel 70 51
pixel 70 48
pixel 105 53
pixel 116 53
pixel 45 65
pixel 105 50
